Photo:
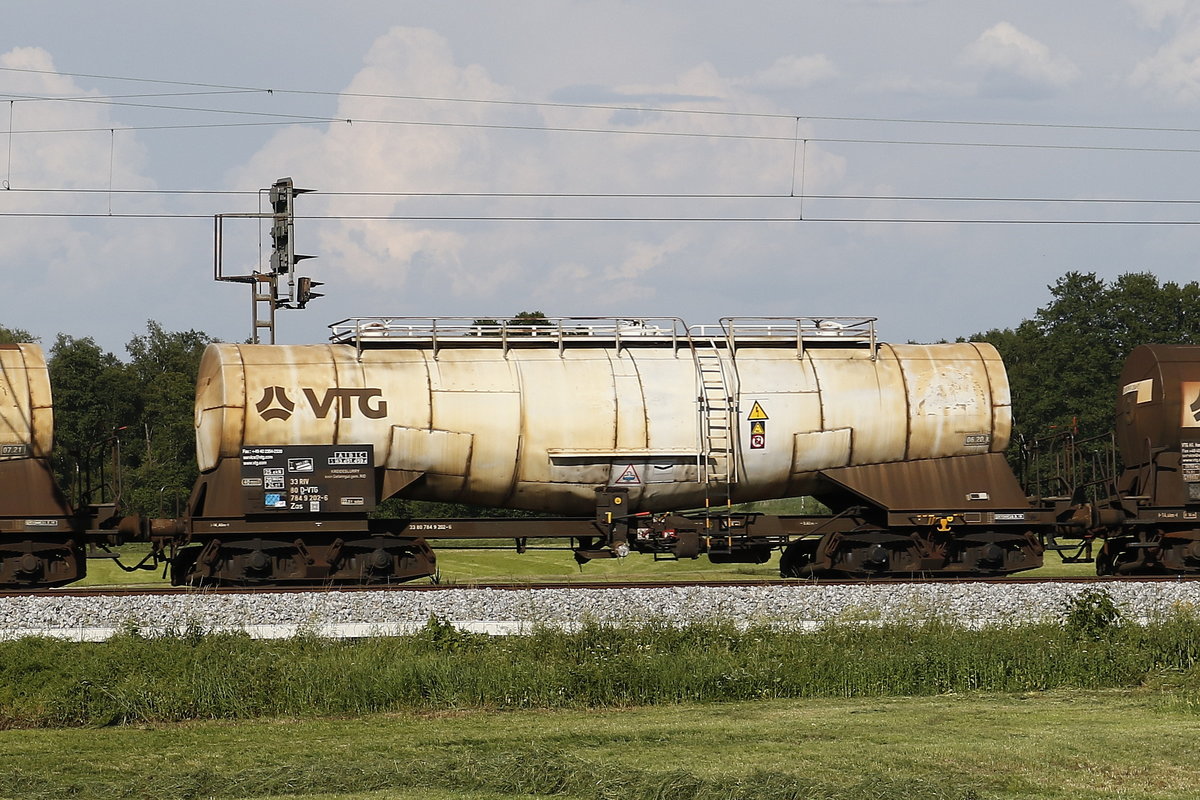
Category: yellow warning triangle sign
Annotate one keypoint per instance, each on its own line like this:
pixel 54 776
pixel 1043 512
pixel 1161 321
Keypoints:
pixel 757 412
pixel 757 427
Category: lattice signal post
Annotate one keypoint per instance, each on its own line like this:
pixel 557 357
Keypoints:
pixel 279 286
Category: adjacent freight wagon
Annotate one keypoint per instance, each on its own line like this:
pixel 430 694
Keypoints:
pixel 40 535
pixel 1151 518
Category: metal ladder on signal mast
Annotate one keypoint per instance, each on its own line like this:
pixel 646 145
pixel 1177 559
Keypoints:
pixel 717 456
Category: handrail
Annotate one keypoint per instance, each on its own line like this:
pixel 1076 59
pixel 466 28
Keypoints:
pixel 559 331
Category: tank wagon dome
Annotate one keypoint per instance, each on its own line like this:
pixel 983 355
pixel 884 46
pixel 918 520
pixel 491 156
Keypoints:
pixel 26 409
pixel 541 421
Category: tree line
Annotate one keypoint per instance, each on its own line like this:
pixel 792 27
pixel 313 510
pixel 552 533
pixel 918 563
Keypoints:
pixel 1063 363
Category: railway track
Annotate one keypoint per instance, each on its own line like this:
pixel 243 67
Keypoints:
pixel 125 591
pixel 97 613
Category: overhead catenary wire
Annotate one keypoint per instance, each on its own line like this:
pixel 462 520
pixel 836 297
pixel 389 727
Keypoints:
pixel 616 107
pixel 807 219
pixel 282 119
pixel 799 144
pixel 630 196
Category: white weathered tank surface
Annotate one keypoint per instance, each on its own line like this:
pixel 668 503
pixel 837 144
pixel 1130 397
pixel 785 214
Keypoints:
pixel 26 410
pixel 539 416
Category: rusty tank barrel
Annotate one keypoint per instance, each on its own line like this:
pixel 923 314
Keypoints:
pixel 26 410
pixel 539 418
pixel 27 440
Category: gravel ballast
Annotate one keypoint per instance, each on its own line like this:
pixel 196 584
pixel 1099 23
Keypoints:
pixel 335 613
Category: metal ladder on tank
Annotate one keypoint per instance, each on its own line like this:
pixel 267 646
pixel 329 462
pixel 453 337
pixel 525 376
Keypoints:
pixel 717 459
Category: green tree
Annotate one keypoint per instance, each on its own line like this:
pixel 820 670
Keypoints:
pixel 525 321
pixel 94 404
pixel 15 336
pixel 529 318
pixel 161 450
pixel 124 430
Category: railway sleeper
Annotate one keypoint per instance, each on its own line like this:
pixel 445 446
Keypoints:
pixel 303 562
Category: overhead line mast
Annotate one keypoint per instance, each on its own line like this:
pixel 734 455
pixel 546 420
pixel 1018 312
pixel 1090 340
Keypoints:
pixel 268 292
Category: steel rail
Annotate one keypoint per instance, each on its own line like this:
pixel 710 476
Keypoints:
pixel 118 591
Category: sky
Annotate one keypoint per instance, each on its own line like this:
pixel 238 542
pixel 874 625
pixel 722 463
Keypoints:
pixel 936 164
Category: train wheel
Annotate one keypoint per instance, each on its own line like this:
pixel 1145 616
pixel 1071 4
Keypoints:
pixel 182 566
pixel 378 559
pixel 877 553
pixel 1179 552
pixel 40 565
pixel 243 562
pixel 995 553
pixel 797 558
pixel 303 562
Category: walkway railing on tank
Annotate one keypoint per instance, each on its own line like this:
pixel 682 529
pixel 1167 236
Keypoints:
pixel 439 332
pixel 840 331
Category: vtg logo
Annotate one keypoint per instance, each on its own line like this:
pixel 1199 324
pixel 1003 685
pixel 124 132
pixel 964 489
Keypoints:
pixel 275 395
pixel 275 403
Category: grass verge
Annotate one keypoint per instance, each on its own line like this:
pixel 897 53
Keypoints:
pixel 135 679
pixel 966 747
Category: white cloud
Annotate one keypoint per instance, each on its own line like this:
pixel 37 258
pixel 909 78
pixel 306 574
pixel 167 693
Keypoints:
pixel 642 257
pixel 413 154
pixel 794 72
pixel 1173 71
pixel 894 84
pixel 1154 13
pixel 700 82
pixel 57 145
pixel 493 267
pixel 1016 63
pixel 884 60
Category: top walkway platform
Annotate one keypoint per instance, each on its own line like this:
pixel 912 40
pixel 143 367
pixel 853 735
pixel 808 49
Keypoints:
pixel 562 332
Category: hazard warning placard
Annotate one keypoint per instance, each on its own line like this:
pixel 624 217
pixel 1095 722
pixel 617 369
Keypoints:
pixel 628 476
pixel 758 432
pixel 756 412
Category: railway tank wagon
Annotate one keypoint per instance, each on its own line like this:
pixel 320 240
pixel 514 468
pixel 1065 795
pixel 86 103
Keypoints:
pixel 41 541
pixel 1152 519
pixel 619 422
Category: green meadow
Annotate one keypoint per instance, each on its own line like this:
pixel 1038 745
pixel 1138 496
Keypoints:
pixel 1061 745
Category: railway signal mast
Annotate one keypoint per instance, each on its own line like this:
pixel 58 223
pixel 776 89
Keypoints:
pixel 279 286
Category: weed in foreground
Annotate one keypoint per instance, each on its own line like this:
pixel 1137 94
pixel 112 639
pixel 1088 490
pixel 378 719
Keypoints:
pixel 1092 614
pixel 134 678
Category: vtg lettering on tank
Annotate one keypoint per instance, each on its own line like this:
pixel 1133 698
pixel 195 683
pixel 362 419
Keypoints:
pixel 277 402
